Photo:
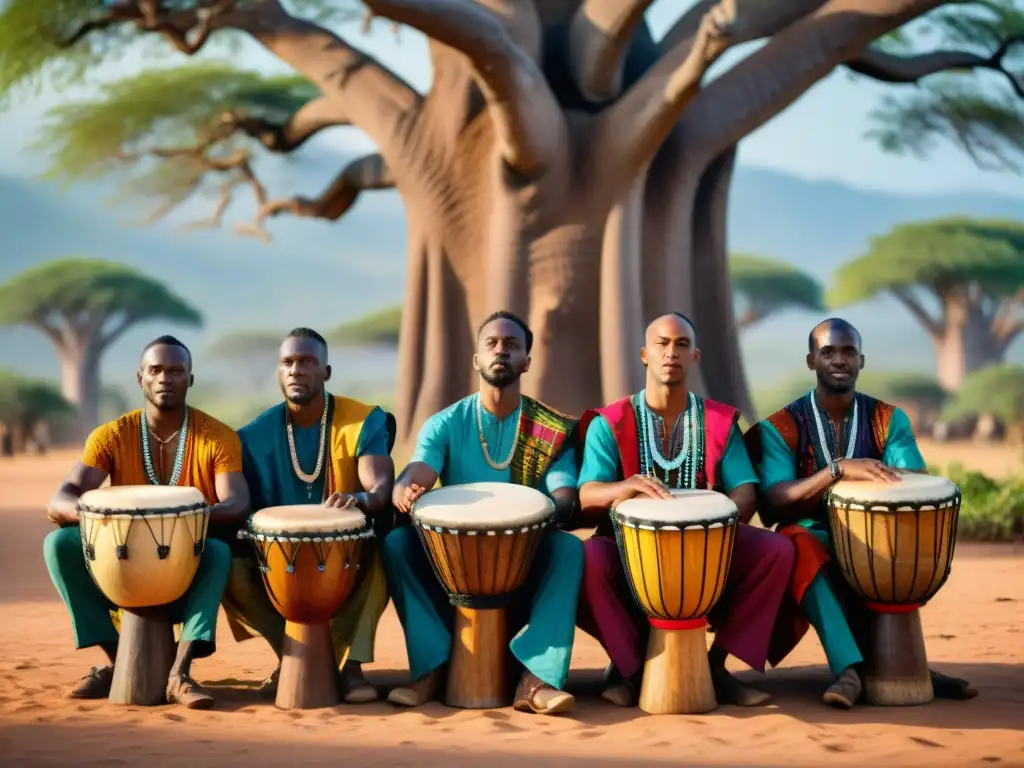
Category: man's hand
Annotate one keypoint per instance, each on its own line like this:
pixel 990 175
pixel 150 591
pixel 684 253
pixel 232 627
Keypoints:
pixel 342 501
pixel 642 485
pixel 867 469
pixel 405 496
pixel 62 517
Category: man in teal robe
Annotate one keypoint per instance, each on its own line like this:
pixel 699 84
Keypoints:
pixel 474 440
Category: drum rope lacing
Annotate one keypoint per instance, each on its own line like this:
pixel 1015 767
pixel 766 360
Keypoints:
pixel 851 440
pixel 692 437
pixel 91 532
pixel 664 620
pixel 322 543
pixel 306 478
pixel 179 454
pixel 948 506
pixel 499 466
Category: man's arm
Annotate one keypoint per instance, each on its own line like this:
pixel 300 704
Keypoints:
pixel 233 501
pixel 599 483
pixel 426 464
pixel 62 509
pixel 560 482
pixel 901 449
pixel 374 466
pixel 738 476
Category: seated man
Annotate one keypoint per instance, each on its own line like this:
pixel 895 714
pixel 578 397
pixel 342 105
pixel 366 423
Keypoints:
pixel 831 433
pixel 496 435
pixel 666 437
pixel 315 448
pixel 164 443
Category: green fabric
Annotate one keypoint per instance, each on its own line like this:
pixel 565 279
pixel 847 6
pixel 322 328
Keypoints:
pixel 90 610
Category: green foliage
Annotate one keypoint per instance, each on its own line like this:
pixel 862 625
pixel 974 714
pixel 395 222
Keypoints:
pixel 943 252
pixel 891 386
pixel 996 389
pixel 990 510
pixel 23 401
pixel 977 110
pixel 769 285
pixel 86 290
pixel 378 328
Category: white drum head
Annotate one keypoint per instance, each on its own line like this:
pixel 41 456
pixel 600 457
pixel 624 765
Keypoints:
pixel 141 499
pixel 483 507
pixel 686 508
pixel 298 519
pixel 911 489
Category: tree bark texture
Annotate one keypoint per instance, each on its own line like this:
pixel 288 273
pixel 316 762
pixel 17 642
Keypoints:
pixel 558 169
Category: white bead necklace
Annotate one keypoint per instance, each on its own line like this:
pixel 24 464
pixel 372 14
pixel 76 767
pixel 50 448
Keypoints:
pixel 851 441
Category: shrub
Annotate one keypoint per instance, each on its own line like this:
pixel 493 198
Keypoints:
pixel 991 510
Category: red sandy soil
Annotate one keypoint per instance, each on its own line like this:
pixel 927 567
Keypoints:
pixel 974 629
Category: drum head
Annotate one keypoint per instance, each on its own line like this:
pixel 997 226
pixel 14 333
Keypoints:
pixel 911 489
pixel 483 507
pixel 304 519
pixel 141 499
pixel 686 508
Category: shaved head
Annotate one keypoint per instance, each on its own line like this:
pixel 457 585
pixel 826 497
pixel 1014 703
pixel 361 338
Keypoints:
pixel 822 333
pixel 670 348
pixel 834 354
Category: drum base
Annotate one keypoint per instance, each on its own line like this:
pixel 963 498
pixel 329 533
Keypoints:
pixel 677 676
pixel 476 675
pixel 145 654
pixel 309 671
pixel 896 668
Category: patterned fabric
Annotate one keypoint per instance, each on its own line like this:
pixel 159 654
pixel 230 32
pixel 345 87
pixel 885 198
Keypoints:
pixel 543 434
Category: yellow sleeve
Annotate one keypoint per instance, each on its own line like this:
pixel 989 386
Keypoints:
pixel 101 446
pixel 225 446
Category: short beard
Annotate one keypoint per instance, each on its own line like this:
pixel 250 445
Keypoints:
pixel 502 381
pixel 162 407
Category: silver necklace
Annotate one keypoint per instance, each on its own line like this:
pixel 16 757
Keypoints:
pixel 483 440
pixel 851 441
pixel 179 454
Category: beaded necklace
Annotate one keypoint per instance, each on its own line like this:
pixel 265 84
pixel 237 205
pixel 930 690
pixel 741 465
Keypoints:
pixel 307 478
pixel 687 444
pixel 499 466
pixel 851 441
pixel 179 454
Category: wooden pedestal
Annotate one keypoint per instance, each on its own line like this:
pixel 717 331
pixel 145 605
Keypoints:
pixel 145 654
pixel 309 673
pixel 896 667
pixel 677 676
pixel 476 675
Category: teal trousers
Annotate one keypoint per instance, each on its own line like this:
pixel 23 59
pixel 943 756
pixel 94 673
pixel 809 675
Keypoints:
pixel 91 612
pixel 826 614
pixel 545 615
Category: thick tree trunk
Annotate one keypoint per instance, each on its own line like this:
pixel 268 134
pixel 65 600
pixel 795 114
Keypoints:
pixel 965 343
pixel 80 380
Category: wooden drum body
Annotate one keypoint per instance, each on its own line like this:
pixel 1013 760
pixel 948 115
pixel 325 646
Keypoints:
pixel 676 554
pixel 894 543
pixel 309 557
pixel 481 539
pixel 142 547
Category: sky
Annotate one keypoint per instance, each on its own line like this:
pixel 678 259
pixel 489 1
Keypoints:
pixel 819 137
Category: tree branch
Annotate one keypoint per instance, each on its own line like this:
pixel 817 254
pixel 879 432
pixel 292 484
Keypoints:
pixel 892 68
pixel 306 122
pixel 1008 323
pixel 631 131
pixel 52 332
pixel 760 20
pixel 525 112
pixel 366 173
pixel 792 61
pixel 118 330
pixel 599 36
pixel 930 324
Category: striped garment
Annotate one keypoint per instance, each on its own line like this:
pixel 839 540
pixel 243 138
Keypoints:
pixel 543 434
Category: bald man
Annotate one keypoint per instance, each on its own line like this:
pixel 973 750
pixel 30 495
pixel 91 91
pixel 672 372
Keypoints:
pixel 831 433
pixel 620 463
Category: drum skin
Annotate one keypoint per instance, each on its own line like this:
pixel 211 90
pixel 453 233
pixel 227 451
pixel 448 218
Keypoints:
pixel 126 529
pixel 677 573
pixel 892 551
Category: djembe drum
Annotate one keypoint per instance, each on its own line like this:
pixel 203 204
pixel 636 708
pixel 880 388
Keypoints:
pixel 142 546
pixel 309 556
pixel 676 554
pixel 481 539
pixel 894 543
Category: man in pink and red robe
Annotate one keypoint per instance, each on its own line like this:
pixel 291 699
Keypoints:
pixel 625 446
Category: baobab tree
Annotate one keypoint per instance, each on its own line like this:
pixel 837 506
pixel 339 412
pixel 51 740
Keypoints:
pixel 766 286
pixel 563 164
pixel 83 306
pixel 961 279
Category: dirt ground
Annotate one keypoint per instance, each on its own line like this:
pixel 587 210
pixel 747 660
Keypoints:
pixel 974 629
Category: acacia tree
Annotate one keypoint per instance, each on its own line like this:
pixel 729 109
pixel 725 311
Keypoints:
pixel 24 401
pixel 83 306
pixel 962 280
pixel 766 286
pixel 563 164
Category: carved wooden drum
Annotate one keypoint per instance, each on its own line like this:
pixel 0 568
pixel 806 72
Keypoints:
pixel 481 539
pixel 309 556
pixel 676 553
pixel 894 544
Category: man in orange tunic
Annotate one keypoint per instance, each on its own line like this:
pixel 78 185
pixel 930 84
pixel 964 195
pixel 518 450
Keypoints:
pixel 163 443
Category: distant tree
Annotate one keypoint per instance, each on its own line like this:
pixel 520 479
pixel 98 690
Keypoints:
pixel 83 306
pixel 766 286
pixel 24 401
pixel 971 270
pixel 997 390
pixel 375 329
